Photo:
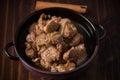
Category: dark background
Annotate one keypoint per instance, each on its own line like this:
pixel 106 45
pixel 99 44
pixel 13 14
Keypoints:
pixel 105 66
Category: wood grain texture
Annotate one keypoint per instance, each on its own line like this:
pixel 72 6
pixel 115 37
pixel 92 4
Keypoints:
pixel 106 64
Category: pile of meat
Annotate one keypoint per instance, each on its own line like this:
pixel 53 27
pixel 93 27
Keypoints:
pixel 54 44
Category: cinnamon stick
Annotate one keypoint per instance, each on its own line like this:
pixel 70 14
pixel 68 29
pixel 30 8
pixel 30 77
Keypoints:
pixel 78 8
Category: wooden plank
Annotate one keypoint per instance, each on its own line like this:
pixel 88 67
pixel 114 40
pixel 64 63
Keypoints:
pixel 4 39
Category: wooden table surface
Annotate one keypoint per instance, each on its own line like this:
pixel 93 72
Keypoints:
pixel 105 66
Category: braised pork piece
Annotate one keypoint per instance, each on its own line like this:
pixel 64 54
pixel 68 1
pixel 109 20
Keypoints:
pixel 54 44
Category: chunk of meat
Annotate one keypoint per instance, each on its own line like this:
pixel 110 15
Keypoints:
pixel 77 54
pixel 70 65
pixel 54 38
pixel 69 31
pixel 50 54
pixel 53 68
pixel 71 55
pixel 28 45
pixel 67 28
pixel 40 39
pixel 58 68
pixel 63 23
pixel 41 50
pixel 63 67
pixel 62 46
pixel 30 53
pixel 51 26
pixel 45 64
pixel 82 53
pixel 76 39
pixel 30 37
pixel 38 29
pixel 59 47
pixel 33 28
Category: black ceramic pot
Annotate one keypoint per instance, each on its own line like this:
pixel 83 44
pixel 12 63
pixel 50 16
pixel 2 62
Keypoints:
pixel 83 25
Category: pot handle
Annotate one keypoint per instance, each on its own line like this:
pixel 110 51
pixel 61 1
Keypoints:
pixel 101 31
pixel 6 50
